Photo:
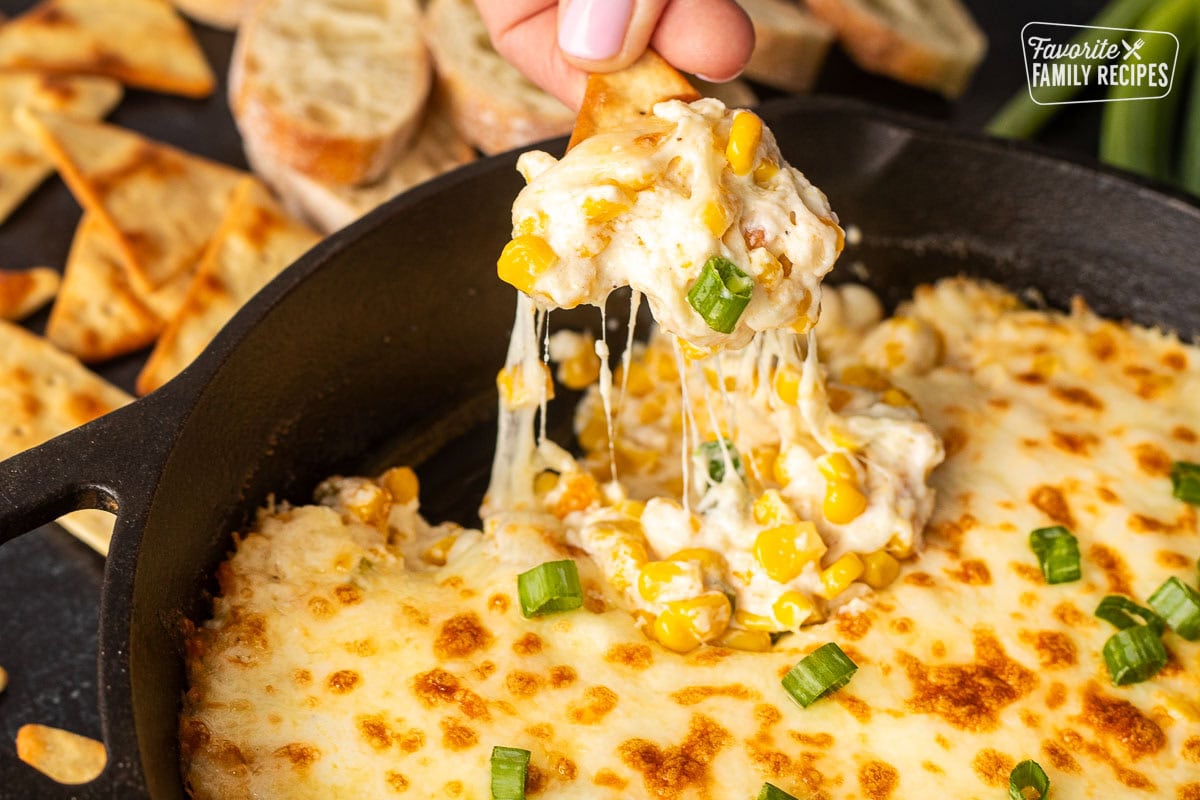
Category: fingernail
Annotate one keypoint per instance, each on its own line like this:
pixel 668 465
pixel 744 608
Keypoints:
pixel 594 29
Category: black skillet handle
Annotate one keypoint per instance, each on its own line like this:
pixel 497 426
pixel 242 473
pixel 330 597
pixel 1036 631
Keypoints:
pixel 112 464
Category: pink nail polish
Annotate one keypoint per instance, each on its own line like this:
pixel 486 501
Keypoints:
pixel 594 29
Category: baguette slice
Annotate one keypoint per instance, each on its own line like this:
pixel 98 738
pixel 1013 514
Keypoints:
pixel 494 106
pixel 223 14
pixel 141 43
pixel 790 44
pixel 438 148
pixel 934 44
pixel 331 89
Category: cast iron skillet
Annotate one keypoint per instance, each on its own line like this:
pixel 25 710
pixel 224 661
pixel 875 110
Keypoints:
pixel 379 343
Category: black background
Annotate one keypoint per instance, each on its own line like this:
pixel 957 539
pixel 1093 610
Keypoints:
pixel 50 583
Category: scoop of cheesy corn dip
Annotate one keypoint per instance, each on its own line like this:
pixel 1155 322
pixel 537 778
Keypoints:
pixel 652 208
pixel 356 651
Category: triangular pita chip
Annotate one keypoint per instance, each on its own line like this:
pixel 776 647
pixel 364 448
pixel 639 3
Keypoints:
pixel 621 99
pixel 24 291
pixel 23 165
pixel 160 204
pixel 45 392
pixel 142 43
pixel 255 242
pixel 100 313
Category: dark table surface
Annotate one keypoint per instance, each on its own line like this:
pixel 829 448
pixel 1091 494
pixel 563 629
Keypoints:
pixel 50 583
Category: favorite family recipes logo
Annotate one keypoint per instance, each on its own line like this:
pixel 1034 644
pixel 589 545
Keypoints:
pixel 1063 60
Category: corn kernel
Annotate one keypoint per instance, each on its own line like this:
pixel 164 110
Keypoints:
pixel 715 219
pixel 401 483
pixel 837 467
pixel 762 460
pixel 880 569
pixel 765 170
pixel 745 134
pixel 580 493
pixel 639 383
pixel 780 469
pixel 793 609
pixel 693 352
pixel 755 622
pixel 437 552
pixel 367 501
pixel 599 210
pixel 864 377
pixel 544 482
pixel 785 549
pixel 638 460
pixel 523 260
pixel 787 384
pixel 771 509
pixel 707 614
pixel 838 576
pixel 843 502
pixel 750 641
pixel 843 438
pixel 898 398
pixel 579 371
pixel 514 391
pixel 654 577
pixel 531 226
pixel 672 630
pixel 631 508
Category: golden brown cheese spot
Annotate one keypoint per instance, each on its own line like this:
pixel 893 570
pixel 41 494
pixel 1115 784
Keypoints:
pixel 1118 574
pixel 396 781
pixel 1185 434
pixel 691 695
pixel 302 677
pixel 1075 743
pixel 543 731
pixel 597 702
pixel 299 754
pixel 1174 359
pixel 972 572
pixel 954 439
pixel 1189 791
pixel 456 736
pixel 1027 571
pixel 857 707
pixel 669 772
pixel 523 684
pixel 535 781
pixel 1107 495
pixel 412 741
pixel 1077 444
pixel 1191 749
pixel 1069 614
pixel 1054 649
pixel 993 767
pixel 485 670
pixel 528 645
pixel 564 768
pixel 434 687
pixel 460 636
pixel 1051 502
pixel 878 779
pixel 1122 721
pixel 929 766
pixel 634 656
pixel 499 603
pixel 361 647
pixel 1172 560
pixel 920 579
pixel 969 696
pixel 1060 758
pixel 901 625
pixel 414 615
pixel 375 731
pixel 1076 396
pixel 562 676
pixel 1152 460
pixel 343 681
pixel 609 780
pixel 821 741
pixel 767 716
pixel 1056 695
pixel 194 735
pixel 853 626
pixel 348 594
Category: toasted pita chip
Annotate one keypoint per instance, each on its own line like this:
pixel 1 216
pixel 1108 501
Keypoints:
pixel 45 392
pixel 24 291
pixel 100 313
pixel 23 165
pixel 255 242
pixel 160 204
pixel 142 43
pixel 621 99
pixel 64 756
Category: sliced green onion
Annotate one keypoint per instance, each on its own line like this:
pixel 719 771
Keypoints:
pixel 1057 551
pixel 549 588
pixel 1179 605
pixel 1124 613
pixel 510 767
pixel 1028 781
pixel 720 294
pixel 1185 482
pixel 713 457
pixel 772 792
pixel 1134 655
pixel 821 672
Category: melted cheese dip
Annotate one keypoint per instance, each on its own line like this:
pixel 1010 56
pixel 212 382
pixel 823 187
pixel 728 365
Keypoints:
pixel 357 651
pixel 647 208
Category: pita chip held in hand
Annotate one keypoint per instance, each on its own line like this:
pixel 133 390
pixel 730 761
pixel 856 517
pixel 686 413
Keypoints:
pixel 141 43
pixel 64 756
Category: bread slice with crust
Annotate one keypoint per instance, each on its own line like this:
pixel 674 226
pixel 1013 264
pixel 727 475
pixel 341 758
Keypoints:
pixel 934 44
pixel 331 88
pixel 438 148
pixel 494 106
pixel 790 44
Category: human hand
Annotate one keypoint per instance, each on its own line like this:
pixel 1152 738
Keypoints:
pixel 557 42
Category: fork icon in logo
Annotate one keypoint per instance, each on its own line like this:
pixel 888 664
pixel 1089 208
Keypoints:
pixel 1132 50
